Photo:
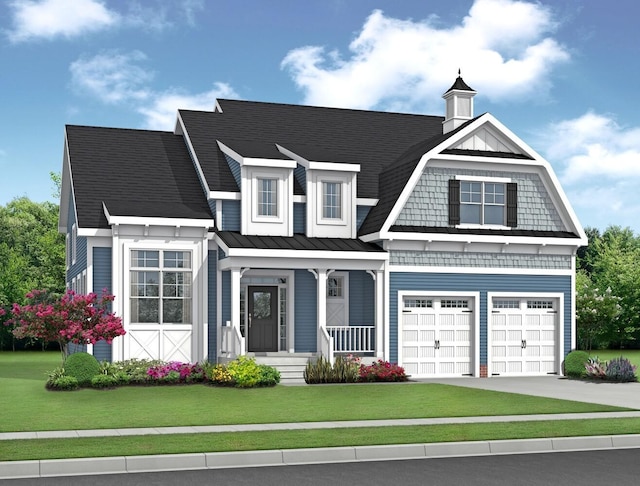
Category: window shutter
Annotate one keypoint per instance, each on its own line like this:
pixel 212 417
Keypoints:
pixel 454 202
pixel 512 204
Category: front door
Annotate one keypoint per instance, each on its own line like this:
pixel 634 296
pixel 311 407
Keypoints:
pixel 263 319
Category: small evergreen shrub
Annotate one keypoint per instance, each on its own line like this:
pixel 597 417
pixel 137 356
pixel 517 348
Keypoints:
pixel 104 382
pixel 62 383
pixel 83 367
pixel 620 370
pixel 574 364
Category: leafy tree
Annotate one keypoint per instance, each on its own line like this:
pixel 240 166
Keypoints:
pixel 72 318
pixel 597 313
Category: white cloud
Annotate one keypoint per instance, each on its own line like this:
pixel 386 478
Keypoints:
pixel 117 78
pixel 501 45
pixel 161 113
pixel 598 163
pixel 593 146
pixel 58 18
pixel 112 77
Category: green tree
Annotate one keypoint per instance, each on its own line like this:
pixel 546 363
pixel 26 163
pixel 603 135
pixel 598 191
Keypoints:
pixel 597 313
pixel 32 254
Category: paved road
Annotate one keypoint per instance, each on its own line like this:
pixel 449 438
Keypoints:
pixel 619 467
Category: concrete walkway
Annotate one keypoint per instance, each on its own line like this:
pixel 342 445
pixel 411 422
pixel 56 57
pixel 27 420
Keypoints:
pixel 622 395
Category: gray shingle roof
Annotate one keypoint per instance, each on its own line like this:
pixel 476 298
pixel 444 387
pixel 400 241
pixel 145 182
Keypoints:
pixel 135 173
pixel 369 138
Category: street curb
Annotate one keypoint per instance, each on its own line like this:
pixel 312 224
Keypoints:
pixel 283 457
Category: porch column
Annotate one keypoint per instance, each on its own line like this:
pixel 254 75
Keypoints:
pixel 235 300
pixel 379 278
pixel 322 305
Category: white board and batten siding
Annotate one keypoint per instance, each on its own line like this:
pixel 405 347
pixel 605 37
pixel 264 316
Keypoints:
pixel 438 334
pixel 525 336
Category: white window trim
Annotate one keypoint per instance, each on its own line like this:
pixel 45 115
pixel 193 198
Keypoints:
pixel 256 217
pixel 496 180
pixel 74 243
pixel 342 220
pixel 258 200
pixel 67 247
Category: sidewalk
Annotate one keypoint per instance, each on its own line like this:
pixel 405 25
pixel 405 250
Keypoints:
pixel 131 464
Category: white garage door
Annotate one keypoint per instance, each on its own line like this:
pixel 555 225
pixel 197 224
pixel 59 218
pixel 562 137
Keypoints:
pixel 523 336
pixel 436 336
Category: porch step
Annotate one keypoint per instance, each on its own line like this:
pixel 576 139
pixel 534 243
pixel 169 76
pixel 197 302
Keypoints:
pixel 290 366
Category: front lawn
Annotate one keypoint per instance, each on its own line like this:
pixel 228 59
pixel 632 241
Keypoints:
pixel 27 406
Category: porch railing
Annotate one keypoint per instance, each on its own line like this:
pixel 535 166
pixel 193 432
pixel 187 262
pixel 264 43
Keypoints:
pixel 232 341
pixel 326 344
pixel 353 339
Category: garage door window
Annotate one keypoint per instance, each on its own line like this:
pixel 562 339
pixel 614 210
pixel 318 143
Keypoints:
pixel 506 304
pixel 539 304
pixel 454 304
pixel 418 303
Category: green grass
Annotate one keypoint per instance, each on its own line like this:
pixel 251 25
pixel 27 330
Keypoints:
pixel 27 406
pixel 632 355
pixel 19 450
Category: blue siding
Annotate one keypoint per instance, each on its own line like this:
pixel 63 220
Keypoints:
pixel 305 315
pixel 212 307
pixel 300 173
pixel 226 296
pixel 476 283
pixel 361 214
pixel 102 281
pixel 212 208
pixel 362 299
pixel 299 218
pixel 230 215
pixel 235 169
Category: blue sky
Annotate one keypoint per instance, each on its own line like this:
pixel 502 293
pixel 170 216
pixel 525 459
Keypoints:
pixel 562 74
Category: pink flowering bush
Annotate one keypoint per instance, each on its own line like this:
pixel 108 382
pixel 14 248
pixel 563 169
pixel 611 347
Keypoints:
pixel 175 372
pixel 382 371
pixel 72 318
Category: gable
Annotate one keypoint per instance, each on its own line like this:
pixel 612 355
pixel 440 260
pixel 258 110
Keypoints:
pixel 486 139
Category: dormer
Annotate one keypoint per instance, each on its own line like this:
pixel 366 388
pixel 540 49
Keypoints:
pixel 459 105
pixel 331 190
pixel 265 179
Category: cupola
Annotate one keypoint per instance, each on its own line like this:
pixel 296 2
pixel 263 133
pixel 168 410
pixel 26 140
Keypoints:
pixel 459 105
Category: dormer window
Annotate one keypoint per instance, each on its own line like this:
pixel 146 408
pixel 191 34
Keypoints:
pixel 332 200
pixel 267 197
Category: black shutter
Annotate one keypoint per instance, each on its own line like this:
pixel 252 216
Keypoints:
pixel 512 204
pixel 454 202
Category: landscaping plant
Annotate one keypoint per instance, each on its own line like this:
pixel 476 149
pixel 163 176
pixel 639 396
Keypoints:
pixel 574 364
pixel 621 370
pixel 382 371
pixel 83 367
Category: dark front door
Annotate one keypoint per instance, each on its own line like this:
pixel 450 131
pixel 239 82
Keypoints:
pixel 263 319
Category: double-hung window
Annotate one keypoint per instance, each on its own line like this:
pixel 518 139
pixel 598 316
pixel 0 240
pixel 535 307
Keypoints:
pixel 482 203
pixel 267 197
pixel 161 284
pixel 332 200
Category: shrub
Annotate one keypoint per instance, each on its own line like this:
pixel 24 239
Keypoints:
pixel 246 373
pixel 574 364
pixel 344 370
pixel 382 371
pixel 62 383
pixel 104 382
pixel 83 367
pixel 595 368
pixel 621 370
pixel 175 372
pixel 134 369
pixel 220 376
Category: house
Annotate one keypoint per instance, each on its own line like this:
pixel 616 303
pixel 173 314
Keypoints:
pixel 445 244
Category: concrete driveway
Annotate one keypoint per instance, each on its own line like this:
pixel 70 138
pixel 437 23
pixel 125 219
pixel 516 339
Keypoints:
pixel 616 394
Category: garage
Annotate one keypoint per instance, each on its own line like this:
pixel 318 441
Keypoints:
pixel 437 335
pixel 524 338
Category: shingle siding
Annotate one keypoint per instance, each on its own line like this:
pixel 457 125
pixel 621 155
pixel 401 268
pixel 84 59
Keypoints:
pixel 480 260
pixel 483 283
pixel 428 204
